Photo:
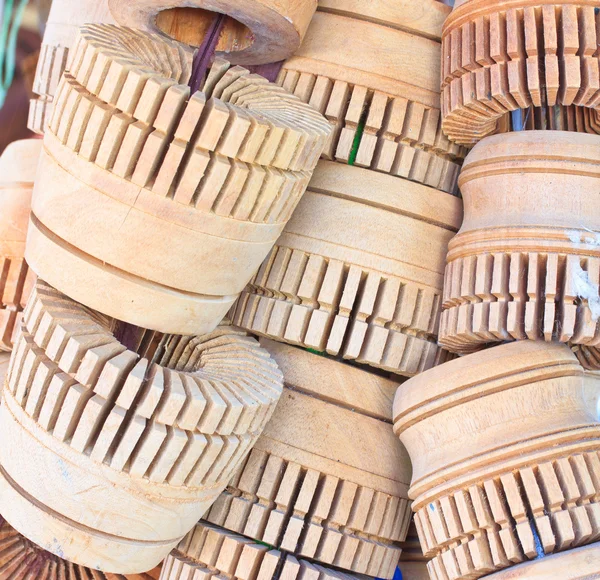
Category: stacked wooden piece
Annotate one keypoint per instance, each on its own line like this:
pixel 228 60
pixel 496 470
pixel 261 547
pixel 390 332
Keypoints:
pixel 505 441
pixel 129 402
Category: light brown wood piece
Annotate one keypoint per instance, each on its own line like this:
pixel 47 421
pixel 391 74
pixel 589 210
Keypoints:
pixel 504 446
pixel 60 31
pixel 413 564
pixel 526 261
pixel 21 558
pixel 108 459
pixel 578 564
pixel 422 17
pixel 212 552
pixel 155 207
pixel 18 165
pixel 255 31
pixel 311 486
pixel 376 84
pixel 357 271
pixel 499 57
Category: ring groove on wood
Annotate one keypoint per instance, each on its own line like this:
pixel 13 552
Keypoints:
pixel 326 287
pixel 209 550
pixel 221 170
pixel 523 478
pixel 303 490
pixel 498 57
pixel 526 264
pixel 170 431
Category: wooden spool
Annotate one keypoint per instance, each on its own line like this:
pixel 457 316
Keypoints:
pixel 304 489
pixel 526 261
pixel 108 459
pixel 499 57
pixel 155 207
pixel 21 558
pixel 578 564
pixel 504 446
pixel 18 165
pixel 255 31
pixel 372 71
pixel 209 551
pixel 60 33
pixel 358 271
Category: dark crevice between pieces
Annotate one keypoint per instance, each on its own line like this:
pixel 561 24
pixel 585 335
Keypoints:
pixel 206 51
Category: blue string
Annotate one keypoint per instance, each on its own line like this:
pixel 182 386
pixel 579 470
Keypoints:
pixel 11 22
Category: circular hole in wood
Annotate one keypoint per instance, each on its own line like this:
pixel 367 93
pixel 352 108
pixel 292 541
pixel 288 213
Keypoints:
pixel 190 25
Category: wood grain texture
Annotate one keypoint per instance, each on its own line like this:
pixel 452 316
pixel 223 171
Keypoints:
pixel 155 440
pixel 257 31
pixel 375 83
pixel 504 448
pixel 504 56
pixel 310 486
pixel 577 564
pixel 209 552
pixel 22 559
pixel 217 174
pixel 60 32
pixel 525 262
pixel 331 285
pixel 18 165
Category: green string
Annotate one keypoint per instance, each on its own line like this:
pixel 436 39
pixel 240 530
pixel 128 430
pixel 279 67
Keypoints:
pixel 11 22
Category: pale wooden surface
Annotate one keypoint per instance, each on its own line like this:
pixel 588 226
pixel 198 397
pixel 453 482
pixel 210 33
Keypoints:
pixel 526 261
pixel 170 181
pixel 503 442
pixel 422 17
pixel 499 57
pixel 311 485
pixel 209 551
pixel 21 558
pixel 18 165
pixel 333 285
pixel 60 32
pixel 370 73
pixel 578 564
pixel 110 458
pixel 270 31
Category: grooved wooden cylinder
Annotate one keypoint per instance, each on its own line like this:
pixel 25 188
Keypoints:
pixel 358 271
pixel 502 56
pixel 18 165
pixel 526 261
pixel 155 206
pixel 305 489
pixel 60 32
pixel 21 558
pixel 255 31
pixel 210 550
pixel 371 68
pixel 108 459
pixel 505 447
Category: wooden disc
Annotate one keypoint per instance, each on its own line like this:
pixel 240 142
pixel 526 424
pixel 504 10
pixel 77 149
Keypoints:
pixel 526 261
pixel 256 31
pixel 305 488
pixel 21 558
pixel 155 207
pixel 357 271
pixel 499 57
pixel 60 31
pixel 372 69
pixel 578 564
pixel 210 550
pixel 155 440
pixel 505 447
pixel 18 165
